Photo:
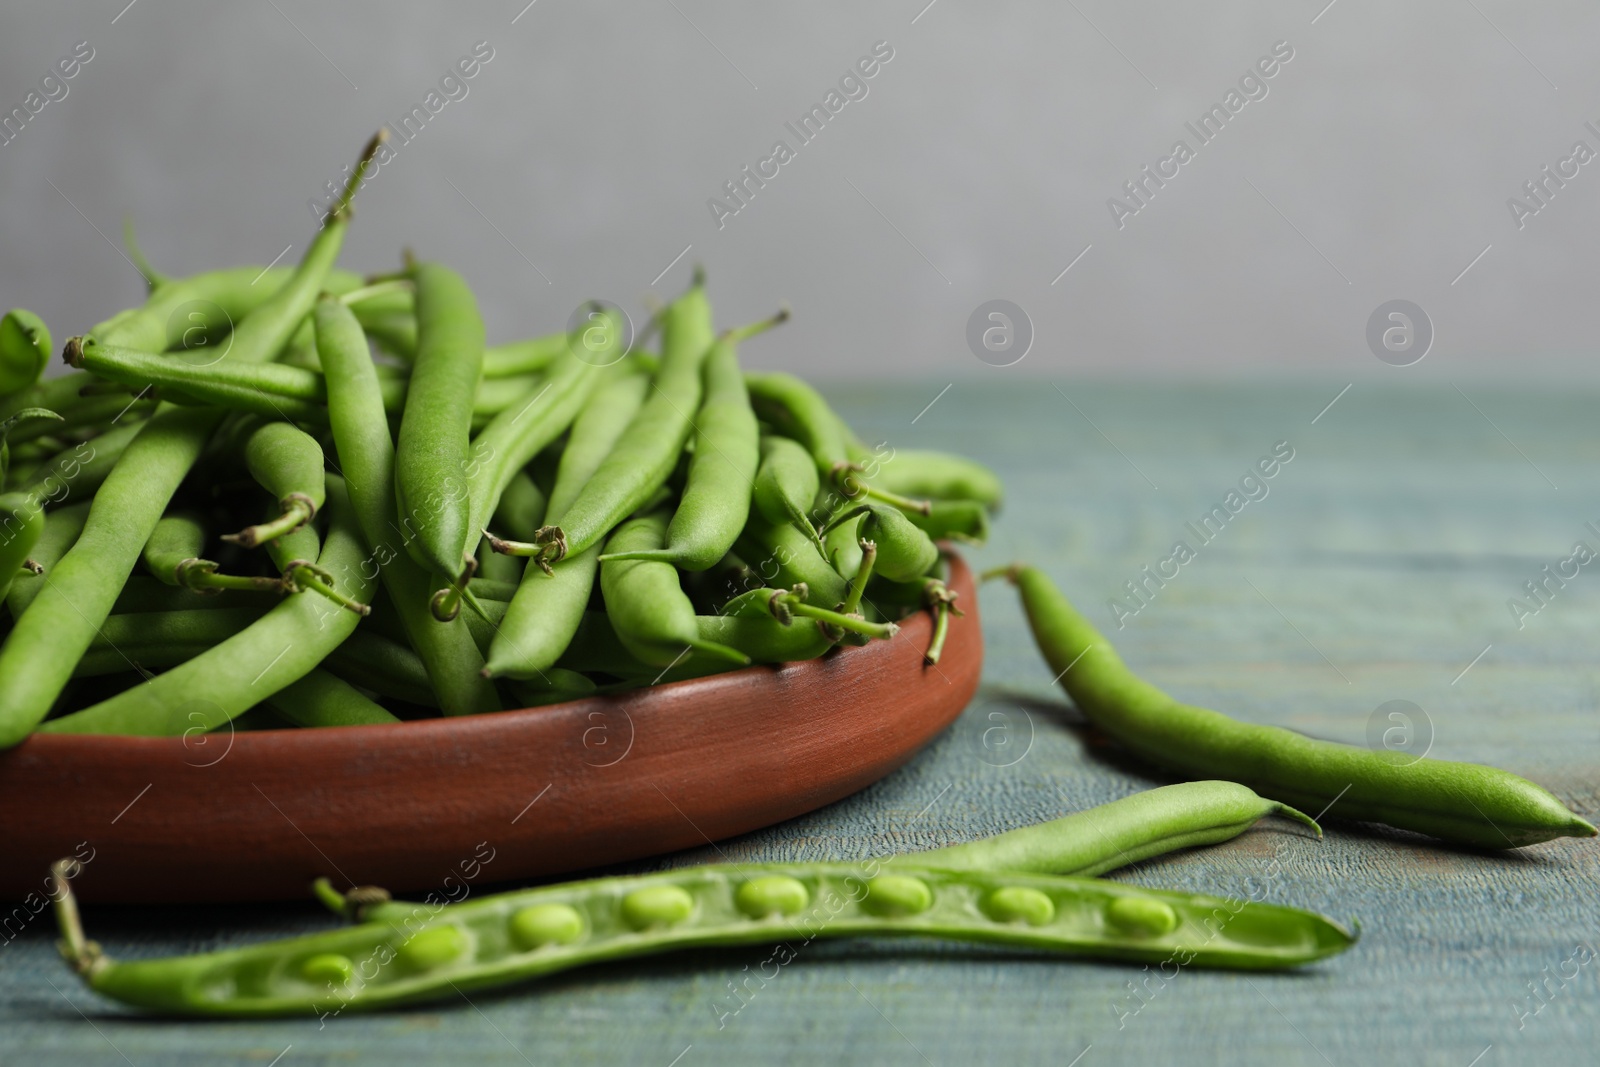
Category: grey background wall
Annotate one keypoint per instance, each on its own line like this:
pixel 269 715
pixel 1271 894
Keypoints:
pixel 977 165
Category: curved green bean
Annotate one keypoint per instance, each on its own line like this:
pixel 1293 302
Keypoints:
pixel 786 483
pixel 61 529
pixel 653 617
pixel 1465 803
pixel 287 462
pixel 1123 832
pixel 174 555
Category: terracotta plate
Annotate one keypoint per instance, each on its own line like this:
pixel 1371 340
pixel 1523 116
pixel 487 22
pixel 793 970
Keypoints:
pixel 442 804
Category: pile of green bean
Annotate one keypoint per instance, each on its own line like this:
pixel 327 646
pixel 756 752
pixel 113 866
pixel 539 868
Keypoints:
pixel 298 497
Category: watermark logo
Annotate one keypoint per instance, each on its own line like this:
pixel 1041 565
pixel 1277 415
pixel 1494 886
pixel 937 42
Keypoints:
pixel 999 333
pixel 1400 726
pixel 1399 333
pixel 599 333
pixel 606 741
pixel 200 332
pixel 1003 734
pixel 202 747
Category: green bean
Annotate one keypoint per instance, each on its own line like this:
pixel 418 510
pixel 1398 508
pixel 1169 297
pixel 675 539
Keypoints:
pixel 173 554
pixel 142 595
pixel 272 390
pixel 959 520
pixel 80 468
pixel 649 449
pixel 782 555
pixel 1463 803
pixel 21 524
pixel 321 699
pixel 61 529
pixel 367 457
pixel 24 349
pixel 26 415
pixel 786 483
pixel 727 447
pixel 529 356
pixel 147 630
pixel 519 515
pixel 546 610
pixel 940 476
pixel 558 686
pixel 432 453
pixel 38 656
pixel 517 434
pixel 386 667
pixel 842 543
pixel 800 412
pixel 648 608
pixel 1090 843
pixel 279 648
pixel 295 554
pixel 233 295
pixel 785 604
pixel 287 462
pixel 422 952
pixel 905 553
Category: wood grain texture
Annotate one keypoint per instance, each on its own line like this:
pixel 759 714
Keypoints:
pixel 1389 544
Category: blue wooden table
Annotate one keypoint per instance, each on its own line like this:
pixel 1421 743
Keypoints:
pixel 1376 565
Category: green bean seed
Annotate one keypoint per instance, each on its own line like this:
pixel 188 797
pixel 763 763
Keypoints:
pixel 1463 803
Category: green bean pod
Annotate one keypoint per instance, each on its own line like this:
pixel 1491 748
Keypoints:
pixel 79 469
pixel 649 449
pixel 786 483
pixel 61 529
pixel 939 476
pixel 21 524
pixel 519 515
pixel 727 446
pixel 523 429
pixel 174 555
pixel 432 452
pixel 321 699
pixel 1463 803
pixel 366 455
pixel 905 553
pixel 25 349
pixel 545 612
pixel 287 462
pixel 647 605
pixel 281 647
pixel 1123 832
pixel 959 520
pixel 800 412
pixel 423 952
pixel 782 555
